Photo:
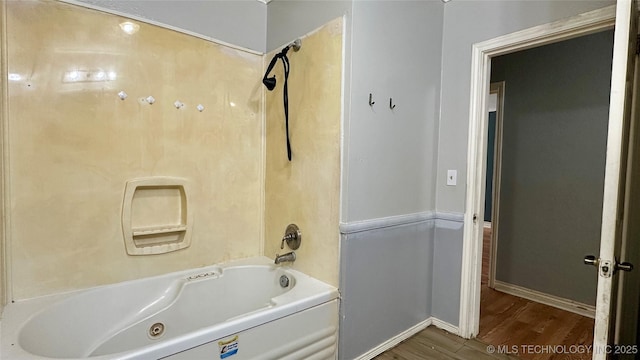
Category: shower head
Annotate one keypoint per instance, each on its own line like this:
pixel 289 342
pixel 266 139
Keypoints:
pixel 296 45
pixel 270 83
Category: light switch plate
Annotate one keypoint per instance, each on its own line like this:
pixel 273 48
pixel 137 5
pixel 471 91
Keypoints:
pixel 452 177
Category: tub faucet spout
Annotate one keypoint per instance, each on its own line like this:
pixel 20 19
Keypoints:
pixel 288 257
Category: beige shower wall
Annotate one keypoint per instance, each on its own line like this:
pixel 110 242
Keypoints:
pixel 73 145
pixel 306 191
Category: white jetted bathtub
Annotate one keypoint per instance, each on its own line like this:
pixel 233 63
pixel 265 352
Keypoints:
pixel 249 309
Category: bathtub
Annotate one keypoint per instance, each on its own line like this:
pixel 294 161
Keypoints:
pixel 248 309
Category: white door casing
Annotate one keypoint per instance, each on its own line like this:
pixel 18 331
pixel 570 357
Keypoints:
pixel 498 89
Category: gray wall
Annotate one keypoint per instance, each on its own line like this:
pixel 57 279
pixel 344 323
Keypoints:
pixel 386 284
pixel 287 20
pixel 447 268
pixel 396 273
pixel 238 22
pixel 389 169
pixel 466 23
pixel 390 157
pixel 554 144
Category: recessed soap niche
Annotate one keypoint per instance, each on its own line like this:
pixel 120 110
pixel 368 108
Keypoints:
pixel 155 215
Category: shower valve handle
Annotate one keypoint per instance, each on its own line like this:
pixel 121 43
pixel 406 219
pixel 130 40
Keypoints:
pixel 288 238
pixel 293 237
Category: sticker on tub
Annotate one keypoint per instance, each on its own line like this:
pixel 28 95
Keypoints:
pixel 228 348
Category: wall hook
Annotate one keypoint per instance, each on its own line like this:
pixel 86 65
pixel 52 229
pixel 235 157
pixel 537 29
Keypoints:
pixel 178 104
pixel 371 102
pixel 391 106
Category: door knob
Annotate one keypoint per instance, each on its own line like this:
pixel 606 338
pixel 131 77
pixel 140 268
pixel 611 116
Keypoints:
pixel 591 260
pixel 624 266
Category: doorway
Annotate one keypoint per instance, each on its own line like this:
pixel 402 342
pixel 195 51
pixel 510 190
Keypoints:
pixel 492 182
pixel 482 54
pixel 620 202
pixel 551 176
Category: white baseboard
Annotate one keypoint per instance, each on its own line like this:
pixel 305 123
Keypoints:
pixel 407 334
pixel 551 300
pixel 445 326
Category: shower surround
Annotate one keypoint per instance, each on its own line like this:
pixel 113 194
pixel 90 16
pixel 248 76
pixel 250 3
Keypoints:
pixel 73 143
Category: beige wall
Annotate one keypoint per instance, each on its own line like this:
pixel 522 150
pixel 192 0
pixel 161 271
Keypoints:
pixel 73 145
pixel 306 191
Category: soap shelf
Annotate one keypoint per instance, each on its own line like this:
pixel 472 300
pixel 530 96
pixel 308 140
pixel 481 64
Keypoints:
pixel 155 215
pixel 158 230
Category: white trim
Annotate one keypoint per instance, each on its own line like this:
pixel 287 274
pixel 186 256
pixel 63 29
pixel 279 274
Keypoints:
pixel 407 334
pixel 395 340
pixel 380 223
pixel 487 225
pixel 547 299
pixel 575 26
pixel 398 220
pixel 496 88
pixel 452 329
pixel 162 25
pixel 472 234
pixel 449 216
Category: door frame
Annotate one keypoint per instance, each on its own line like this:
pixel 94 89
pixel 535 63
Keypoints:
pixel 496 88
pixel 579 25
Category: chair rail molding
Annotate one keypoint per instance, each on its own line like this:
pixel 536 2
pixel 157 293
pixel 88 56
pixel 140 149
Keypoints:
pixel 398 220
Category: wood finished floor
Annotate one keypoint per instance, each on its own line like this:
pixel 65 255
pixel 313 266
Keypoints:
pixel 528 330
pixel 434 343
pixel 523 324
pixel 514 321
